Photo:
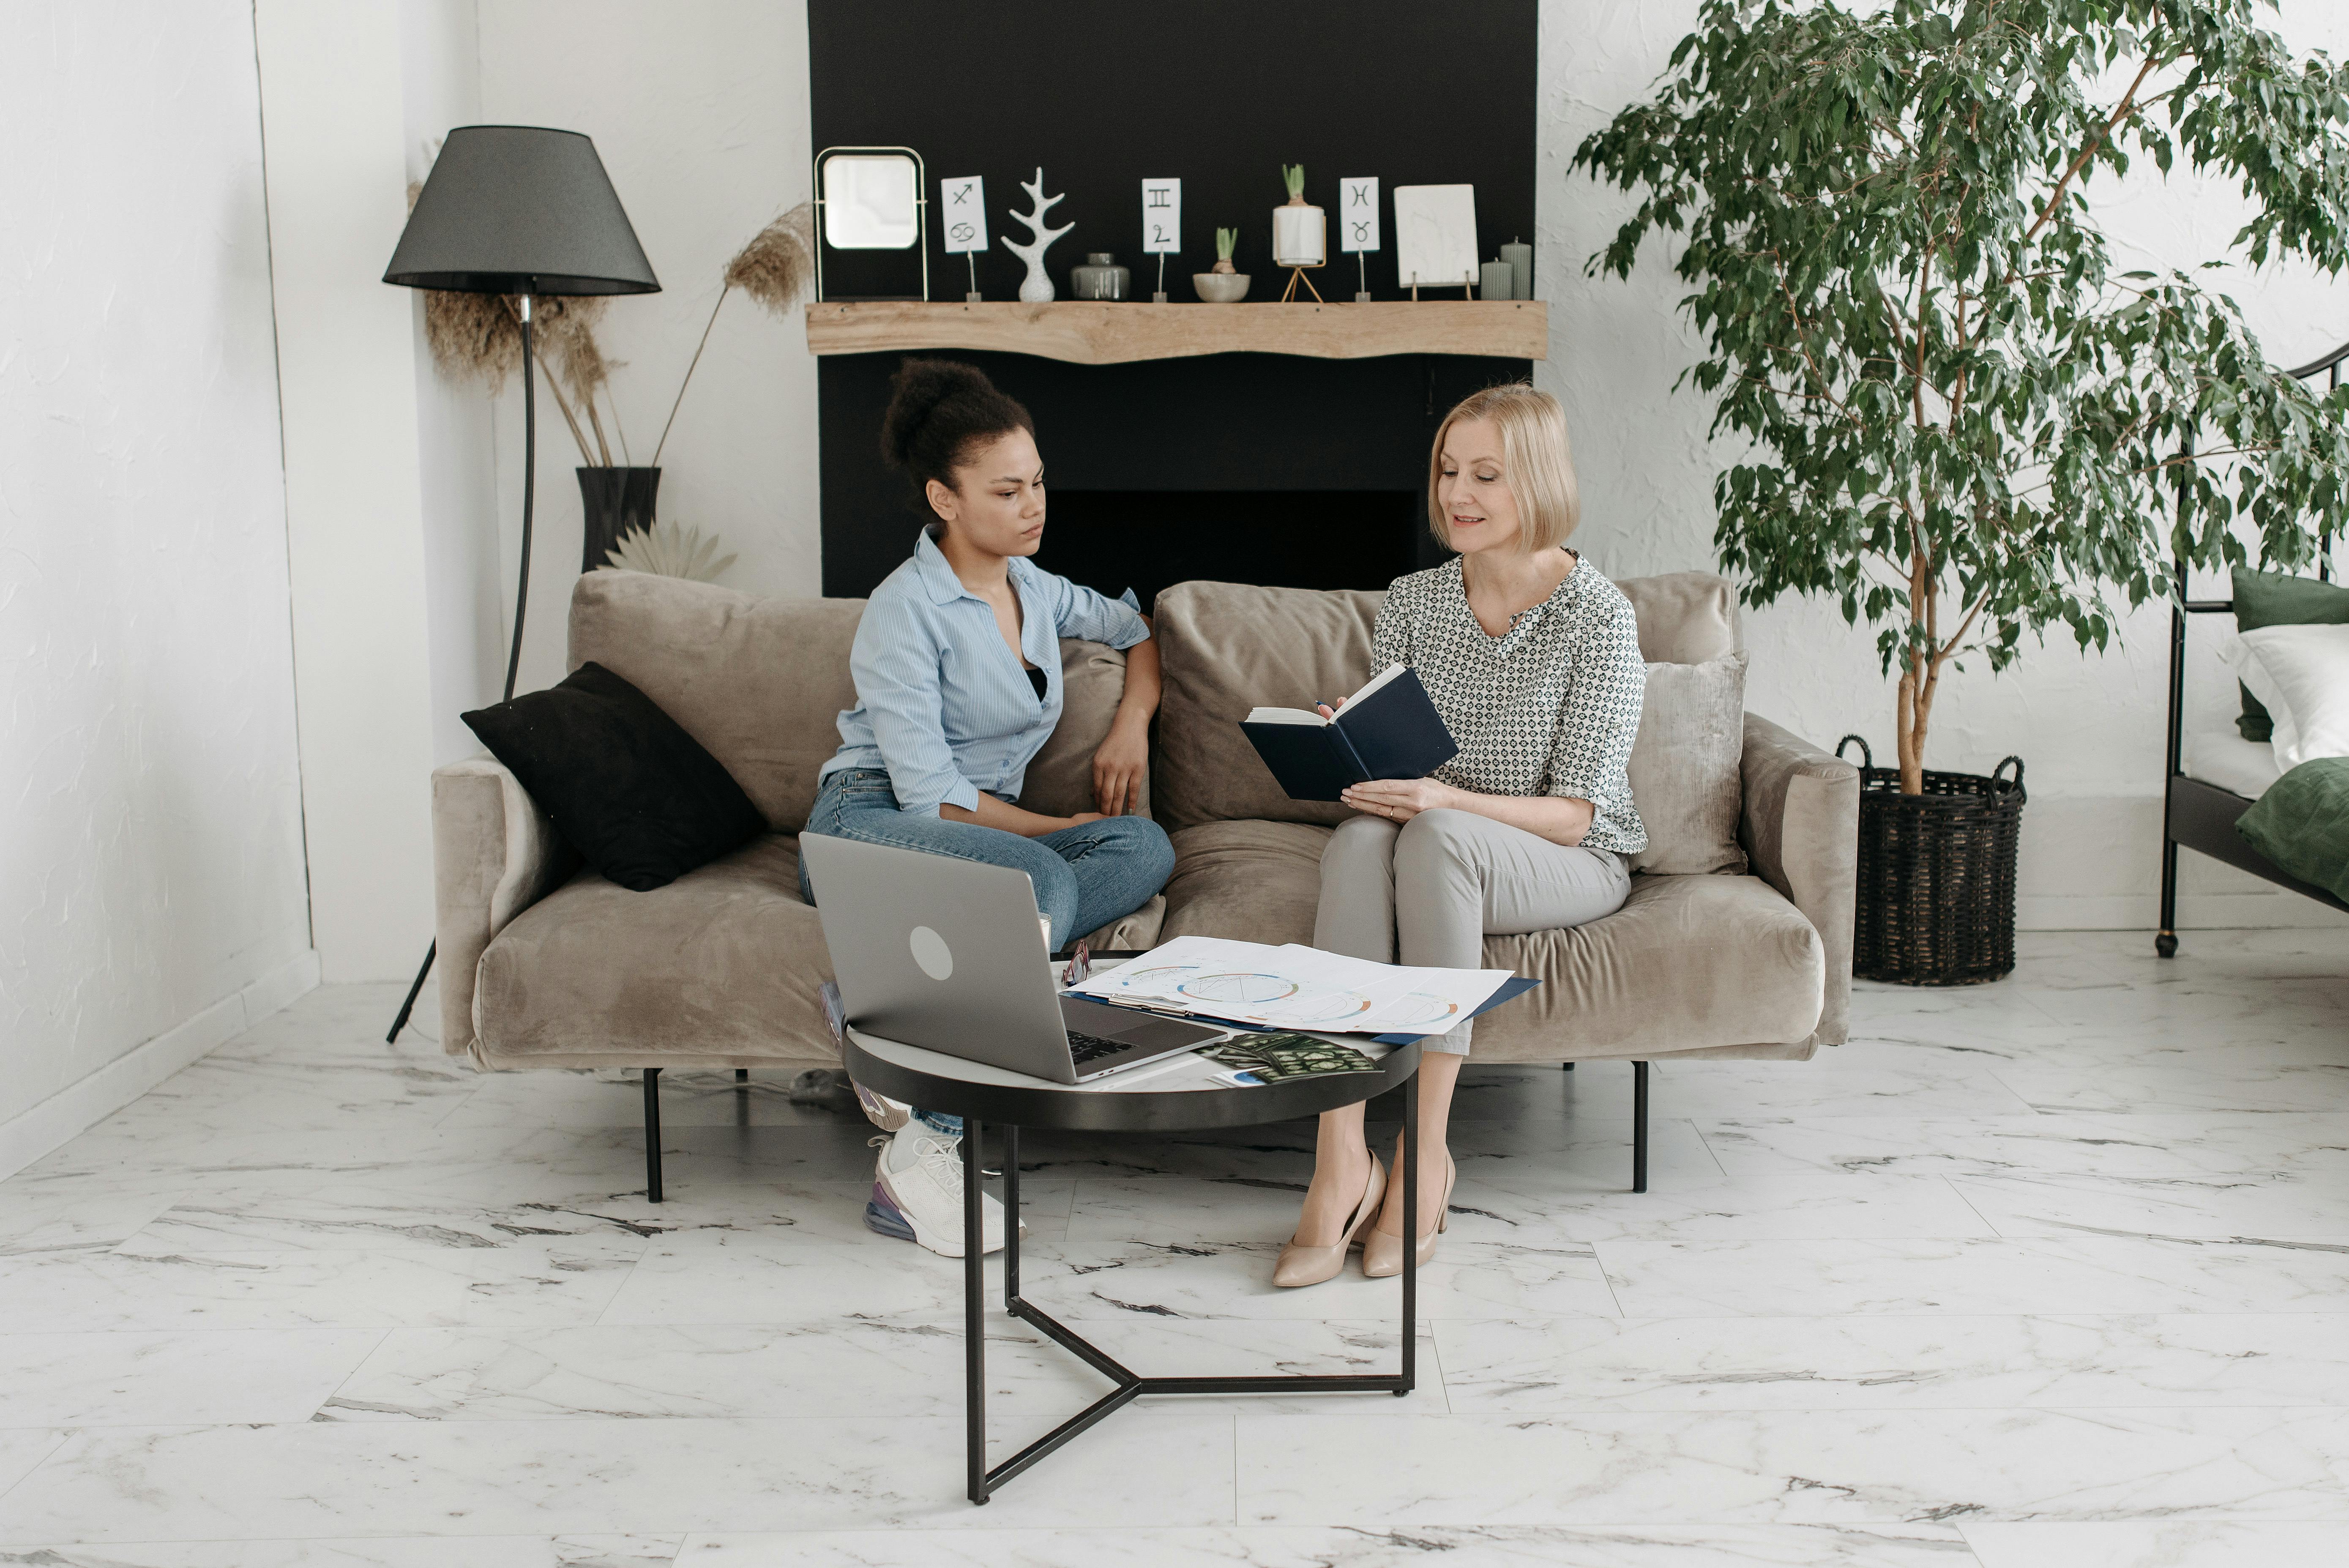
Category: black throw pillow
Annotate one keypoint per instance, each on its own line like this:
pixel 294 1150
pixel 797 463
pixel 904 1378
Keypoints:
pixel 636 795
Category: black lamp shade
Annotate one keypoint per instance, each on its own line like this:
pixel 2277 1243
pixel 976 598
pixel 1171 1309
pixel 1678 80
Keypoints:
pixel 520 209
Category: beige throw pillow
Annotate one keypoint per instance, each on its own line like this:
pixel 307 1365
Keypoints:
pixel 1685 783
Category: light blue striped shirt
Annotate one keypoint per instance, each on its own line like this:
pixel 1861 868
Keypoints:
pixel 941 703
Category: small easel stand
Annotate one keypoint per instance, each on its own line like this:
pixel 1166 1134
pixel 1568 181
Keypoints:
pixel 1362 273
pixel 972 297
pixel 1467 287
pixel 1296 277
pixel 1160 298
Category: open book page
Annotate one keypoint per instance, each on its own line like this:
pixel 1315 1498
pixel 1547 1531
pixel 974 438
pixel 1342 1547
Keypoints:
pixel 1372 684
pixel 1294 987
pixel 1302 716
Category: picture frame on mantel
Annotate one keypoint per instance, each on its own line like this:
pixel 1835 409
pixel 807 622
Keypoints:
pixel 1436 237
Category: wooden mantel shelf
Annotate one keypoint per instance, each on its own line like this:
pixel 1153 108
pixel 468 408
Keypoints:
pixel 1092 332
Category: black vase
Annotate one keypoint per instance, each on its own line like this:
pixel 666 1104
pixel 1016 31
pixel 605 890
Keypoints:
pixel 616 501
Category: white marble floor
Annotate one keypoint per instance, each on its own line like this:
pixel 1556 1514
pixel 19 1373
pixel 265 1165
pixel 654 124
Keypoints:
pixel 2048 1274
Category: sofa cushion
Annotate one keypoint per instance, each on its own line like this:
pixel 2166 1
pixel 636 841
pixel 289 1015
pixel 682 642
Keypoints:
pixel 760 684
pixel 1687 964
pixel 1685 617
pixel 758 681
pixel 1225 648
pixel 625 786
pixel 721 968
pixel 1229 647
pixel 1059 781
pixel 1684 768
pixel 1251 881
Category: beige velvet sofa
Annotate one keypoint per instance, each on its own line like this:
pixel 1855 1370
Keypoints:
pixel 546 964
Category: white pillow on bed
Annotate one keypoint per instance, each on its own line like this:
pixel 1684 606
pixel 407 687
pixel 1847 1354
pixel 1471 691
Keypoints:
pixel 2302 674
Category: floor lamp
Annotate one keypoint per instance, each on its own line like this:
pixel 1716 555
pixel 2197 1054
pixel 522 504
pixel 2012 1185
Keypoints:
pixel 523 211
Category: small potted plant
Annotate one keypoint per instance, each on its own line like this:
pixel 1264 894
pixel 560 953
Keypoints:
pixel 1225 285
pixel 1299 235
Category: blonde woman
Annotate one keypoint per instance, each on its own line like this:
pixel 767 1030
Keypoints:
pixel 1532 658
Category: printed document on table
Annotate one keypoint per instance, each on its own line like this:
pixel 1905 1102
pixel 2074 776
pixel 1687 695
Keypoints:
pixel 1189 1071
pixel 1294 987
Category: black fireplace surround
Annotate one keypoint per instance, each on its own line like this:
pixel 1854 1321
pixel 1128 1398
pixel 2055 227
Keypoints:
pixel 1260 468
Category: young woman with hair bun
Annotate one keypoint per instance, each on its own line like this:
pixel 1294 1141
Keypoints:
pixel 958 673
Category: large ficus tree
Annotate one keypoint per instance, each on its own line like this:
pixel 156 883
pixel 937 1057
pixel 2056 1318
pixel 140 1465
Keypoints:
pixel 1967 424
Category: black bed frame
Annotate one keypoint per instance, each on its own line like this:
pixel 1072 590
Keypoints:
pixel 2201 815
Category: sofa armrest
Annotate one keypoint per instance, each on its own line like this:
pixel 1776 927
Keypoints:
pixel 1800 827
pixel 494 854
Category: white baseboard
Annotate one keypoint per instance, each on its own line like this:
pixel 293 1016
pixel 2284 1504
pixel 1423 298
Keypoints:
pixel 2196 912
pixel 83 1104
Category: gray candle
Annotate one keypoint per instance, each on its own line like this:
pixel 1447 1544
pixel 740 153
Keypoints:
pixel 1520 257
pixel 1499 281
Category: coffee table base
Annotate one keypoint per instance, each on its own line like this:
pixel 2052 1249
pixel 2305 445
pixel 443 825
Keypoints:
pixel 1131 1384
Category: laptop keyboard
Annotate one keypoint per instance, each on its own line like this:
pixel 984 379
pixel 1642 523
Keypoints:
pixel 1093 1047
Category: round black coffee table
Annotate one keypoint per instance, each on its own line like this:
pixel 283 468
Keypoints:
pixel 980 1093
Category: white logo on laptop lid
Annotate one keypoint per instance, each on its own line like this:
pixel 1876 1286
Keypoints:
pixel 931 952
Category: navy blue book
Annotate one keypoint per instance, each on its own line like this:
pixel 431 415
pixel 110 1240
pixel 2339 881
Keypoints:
pixel 1388 730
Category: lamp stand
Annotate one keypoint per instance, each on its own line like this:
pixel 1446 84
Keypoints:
pixel 521 602
pixel 529 485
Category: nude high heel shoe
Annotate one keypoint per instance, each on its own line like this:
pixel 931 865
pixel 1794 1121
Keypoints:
pixel 1312 1265
pixel 1382 1252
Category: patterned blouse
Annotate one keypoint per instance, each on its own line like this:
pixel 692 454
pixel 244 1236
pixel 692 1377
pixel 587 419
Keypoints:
pixel 1551 708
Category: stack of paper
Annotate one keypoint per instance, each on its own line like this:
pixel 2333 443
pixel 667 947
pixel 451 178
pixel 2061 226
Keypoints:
pixel 1294 987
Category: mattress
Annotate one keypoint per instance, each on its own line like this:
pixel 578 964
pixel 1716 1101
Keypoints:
pixel 2223 758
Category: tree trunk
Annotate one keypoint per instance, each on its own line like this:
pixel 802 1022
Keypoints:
pixel 1915 714
pixel 1917 672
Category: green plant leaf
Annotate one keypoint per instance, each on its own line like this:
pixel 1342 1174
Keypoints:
pixel 1966 425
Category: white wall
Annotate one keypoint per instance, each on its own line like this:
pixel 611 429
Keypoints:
pixel 699 110
pixel 2089 729
pixel 441 83
pixel 335 125
pixel 151 900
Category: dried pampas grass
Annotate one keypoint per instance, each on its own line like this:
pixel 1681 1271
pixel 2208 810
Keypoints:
pixel 478 338
pixel 779 262
pixel 474 337
pixel 775 268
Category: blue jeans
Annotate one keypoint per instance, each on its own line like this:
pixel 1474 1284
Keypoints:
pixel 1084 876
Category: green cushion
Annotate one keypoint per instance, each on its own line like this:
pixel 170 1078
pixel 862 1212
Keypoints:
pixel 2273 599
pixel 2301 824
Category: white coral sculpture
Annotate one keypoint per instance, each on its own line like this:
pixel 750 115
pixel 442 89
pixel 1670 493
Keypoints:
pixel 1038 288
pixel 667 549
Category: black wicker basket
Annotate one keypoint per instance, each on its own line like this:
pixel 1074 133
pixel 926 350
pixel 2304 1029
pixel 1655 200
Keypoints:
pixel 1936 874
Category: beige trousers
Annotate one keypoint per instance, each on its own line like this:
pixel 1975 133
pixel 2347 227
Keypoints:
pixel 1439 884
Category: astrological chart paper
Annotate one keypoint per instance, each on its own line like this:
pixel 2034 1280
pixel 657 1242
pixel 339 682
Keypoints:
pixel 1296 987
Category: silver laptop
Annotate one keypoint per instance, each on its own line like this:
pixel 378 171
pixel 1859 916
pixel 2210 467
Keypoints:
pixel 948 955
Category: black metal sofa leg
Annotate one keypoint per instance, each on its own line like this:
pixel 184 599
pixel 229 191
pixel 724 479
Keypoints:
pixel 652 1136
pixel 1639 1126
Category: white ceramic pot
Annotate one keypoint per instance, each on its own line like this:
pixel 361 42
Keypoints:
pixel 1221 288
pixel 1299 236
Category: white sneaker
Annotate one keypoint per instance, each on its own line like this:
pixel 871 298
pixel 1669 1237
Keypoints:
pixel 921 1173
pixel 882 1112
